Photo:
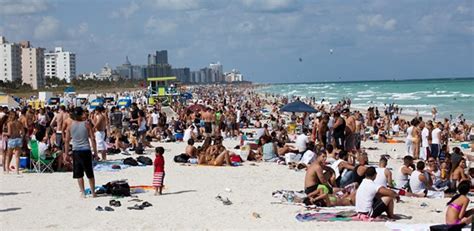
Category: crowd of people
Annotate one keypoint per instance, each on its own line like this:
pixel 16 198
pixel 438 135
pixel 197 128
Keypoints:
pixel 326 144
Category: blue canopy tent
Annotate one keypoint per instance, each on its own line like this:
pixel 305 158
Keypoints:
pixel 298 106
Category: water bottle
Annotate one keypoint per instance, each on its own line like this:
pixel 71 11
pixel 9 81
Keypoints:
pixel 291 198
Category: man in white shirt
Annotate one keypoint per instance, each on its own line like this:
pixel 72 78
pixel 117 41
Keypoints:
pixel 189 134
pixel 301 141
pixel 425 146
pixel 435 140
pixel 372 200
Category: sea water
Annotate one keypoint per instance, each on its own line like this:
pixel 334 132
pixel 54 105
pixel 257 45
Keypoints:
pixel 449 96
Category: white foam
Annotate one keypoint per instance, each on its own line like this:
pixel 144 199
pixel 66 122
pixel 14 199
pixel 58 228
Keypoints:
pixel 405 96
pixel 365 95
pixel 440 96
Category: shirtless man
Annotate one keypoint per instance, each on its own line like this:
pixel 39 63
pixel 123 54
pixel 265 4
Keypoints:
pixel 322 131
pixel 190 150
pixel 315 176
pixel 350 131
pixel 100 124
pixel 359 130
pixel 207 116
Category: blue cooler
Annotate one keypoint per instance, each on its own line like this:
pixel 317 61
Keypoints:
pixel 179 136
pixel 23 162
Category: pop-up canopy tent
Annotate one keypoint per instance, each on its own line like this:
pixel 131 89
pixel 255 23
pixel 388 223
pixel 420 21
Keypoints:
pixel 298 106
pixel 8 101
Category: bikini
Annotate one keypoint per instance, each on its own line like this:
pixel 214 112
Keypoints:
pixel 458 208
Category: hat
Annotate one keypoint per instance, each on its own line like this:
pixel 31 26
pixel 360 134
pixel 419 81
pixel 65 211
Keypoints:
pixel 319 114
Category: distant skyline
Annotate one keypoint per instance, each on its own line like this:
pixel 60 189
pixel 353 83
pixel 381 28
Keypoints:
pixel 267 40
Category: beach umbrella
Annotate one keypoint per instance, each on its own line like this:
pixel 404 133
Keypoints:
pixel 298 106
pixel 196 107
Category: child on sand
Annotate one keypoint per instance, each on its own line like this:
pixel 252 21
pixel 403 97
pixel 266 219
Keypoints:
pixel 159 170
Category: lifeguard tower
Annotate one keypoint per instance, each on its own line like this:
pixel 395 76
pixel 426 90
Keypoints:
pixel 161 89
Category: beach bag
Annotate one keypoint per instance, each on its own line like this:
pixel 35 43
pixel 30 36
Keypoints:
pixel 235 159
pixel 181 158
pixel 130 161
pixel 120 188
pixel 145 160
pixel 446 227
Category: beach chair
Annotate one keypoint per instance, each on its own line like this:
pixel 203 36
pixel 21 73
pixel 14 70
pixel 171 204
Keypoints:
pixel 40 164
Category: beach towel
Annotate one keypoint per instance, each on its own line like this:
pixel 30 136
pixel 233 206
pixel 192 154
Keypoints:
pixel 349 215
pixel 413 227
pixel 106 166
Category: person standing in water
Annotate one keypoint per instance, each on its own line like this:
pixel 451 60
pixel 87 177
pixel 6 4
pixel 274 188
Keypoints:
pixel 80 131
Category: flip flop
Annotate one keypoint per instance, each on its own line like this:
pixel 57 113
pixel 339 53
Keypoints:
pixel 115 203
pixel 135 200
pixel 99 208
pixel 136 207
pixel 146 204
pixel 109 209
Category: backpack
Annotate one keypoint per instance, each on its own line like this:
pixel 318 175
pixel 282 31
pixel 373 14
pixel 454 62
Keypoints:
pixel 181 158
pixel 130 161
pixel 145 160
pixel 118 188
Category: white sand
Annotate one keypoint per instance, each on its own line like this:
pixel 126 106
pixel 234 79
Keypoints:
pixel 51 201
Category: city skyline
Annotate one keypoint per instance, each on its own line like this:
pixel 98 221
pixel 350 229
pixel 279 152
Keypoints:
pixel 268 40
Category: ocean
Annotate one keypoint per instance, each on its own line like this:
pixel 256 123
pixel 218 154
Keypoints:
pixel 449 96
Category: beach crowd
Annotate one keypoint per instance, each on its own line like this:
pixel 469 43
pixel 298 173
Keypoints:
pixel 328 145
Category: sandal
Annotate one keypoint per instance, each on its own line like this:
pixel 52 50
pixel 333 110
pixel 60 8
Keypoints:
pixel 146 204
pixel 115 203
pixel 99 208
pixel 108 209
pixel 136 207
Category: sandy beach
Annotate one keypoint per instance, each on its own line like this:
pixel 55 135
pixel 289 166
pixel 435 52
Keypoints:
pixel 52 201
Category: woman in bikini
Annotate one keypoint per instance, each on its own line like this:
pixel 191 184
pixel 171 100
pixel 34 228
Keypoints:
pixel 458 175
pixel 416 139
pixel 456 212
pixel 14 133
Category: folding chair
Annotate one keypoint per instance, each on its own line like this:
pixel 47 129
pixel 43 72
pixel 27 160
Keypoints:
pixel 40 164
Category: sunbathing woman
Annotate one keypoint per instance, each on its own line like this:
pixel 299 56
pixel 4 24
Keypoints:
pixel 456 212
pixel 214 154
pixel 458 175
pixel 322 198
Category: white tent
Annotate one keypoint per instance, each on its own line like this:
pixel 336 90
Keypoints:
pixel 8 101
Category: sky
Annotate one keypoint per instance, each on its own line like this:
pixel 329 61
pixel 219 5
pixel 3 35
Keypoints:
pixel 267 40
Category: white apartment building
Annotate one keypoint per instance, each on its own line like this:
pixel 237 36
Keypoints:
pixel 60 64
pixel 10 61
pixel 32 65
pixel 217 72
pixel 234 76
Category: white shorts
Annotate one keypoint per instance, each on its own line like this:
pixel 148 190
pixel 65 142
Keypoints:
pixel 100 141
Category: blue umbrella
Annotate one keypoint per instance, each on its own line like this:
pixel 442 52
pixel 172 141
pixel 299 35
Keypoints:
pixel 298 106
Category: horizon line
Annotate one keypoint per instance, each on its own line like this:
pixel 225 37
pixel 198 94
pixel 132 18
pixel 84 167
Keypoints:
pixel 372 80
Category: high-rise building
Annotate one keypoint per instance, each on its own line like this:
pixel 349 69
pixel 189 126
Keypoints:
pixel 182 74
pixel 162 57
pixel 32 65
pixel 151 59
pixel 217 72
pixel 234 76
pixel 129 71
pixel 60 64
pixel 10 61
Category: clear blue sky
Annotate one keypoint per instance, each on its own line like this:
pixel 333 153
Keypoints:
pixel 265 39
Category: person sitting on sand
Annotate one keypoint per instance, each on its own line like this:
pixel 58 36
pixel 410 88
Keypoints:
pixel 405 170
pixel 341 167
pixel 190 150
pixel 384 175
pixel 268 150
pixel 315 175
pixel 458 175
pixel 322 198
pixel 372 200
pixel 189 134
pixel 215 154
pixel 358 173
pixel 420 180
pixel 457 212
